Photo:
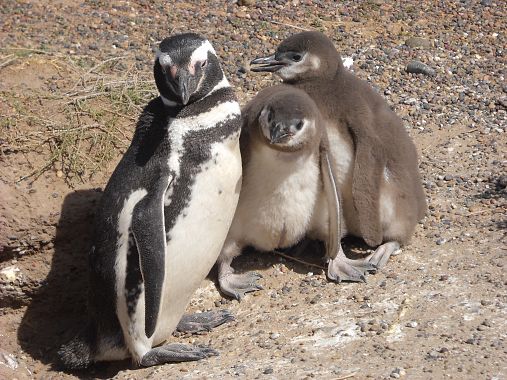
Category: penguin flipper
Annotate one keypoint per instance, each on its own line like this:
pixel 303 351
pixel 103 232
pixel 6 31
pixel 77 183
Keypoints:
pixel 339 268
pixel 334 207
pixel 369 166
pixel 148 228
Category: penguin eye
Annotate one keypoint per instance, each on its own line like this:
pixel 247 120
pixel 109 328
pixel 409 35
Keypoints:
pixel 297 57
pixel 299 125
pixel 204 63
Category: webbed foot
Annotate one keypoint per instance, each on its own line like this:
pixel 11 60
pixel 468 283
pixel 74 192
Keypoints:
pixel 342 268
pixel 237 285
pixel 381 255
pixel 194 323
pixel 176 353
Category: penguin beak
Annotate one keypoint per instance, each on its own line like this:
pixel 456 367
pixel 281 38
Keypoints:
pixel 279 133
pixel 184 86
pixel 270 64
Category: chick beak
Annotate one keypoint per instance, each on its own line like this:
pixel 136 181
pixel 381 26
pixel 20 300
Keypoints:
pixel 279 133
pixel 269 64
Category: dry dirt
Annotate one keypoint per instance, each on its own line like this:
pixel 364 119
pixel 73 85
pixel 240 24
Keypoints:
pixel 71 88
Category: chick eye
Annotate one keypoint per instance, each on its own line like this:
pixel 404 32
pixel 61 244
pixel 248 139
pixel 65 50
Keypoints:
pixel 204 63
pixel 297 57
pixel 299 125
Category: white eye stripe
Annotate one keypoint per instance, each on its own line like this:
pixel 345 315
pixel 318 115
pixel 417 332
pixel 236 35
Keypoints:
pixel 164 59
pixel 201 53
pixel 198 55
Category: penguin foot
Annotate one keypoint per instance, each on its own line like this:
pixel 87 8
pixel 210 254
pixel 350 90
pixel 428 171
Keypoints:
pixel 381 255
pixel 237 285
pixel 194 323
pixel 344 269
pixel 176 353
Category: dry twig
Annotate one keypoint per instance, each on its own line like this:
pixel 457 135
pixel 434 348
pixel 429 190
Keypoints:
pixel 297 260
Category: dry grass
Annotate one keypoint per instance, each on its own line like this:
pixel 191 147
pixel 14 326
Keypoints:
pixel 77 123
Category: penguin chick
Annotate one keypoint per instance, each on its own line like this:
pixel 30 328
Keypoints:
pixel 179 178
pixel 288 190
pixel 374 158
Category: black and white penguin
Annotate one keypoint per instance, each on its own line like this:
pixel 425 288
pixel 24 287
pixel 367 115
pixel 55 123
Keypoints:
pixel 164 214
pixel 374 157
pixel 289 189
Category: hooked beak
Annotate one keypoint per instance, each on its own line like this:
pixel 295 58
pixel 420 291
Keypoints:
pixel 279 133
pixel 270 64
pixel 183 86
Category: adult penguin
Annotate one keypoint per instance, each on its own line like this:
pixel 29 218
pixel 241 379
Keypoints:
pixel 180 178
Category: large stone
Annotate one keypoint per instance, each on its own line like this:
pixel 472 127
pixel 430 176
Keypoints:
pixel 246 3
pixel 414 42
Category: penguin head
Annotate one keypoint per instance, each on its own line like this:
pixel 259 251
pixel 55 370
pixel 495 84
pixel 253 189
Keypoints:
pixel 288 121
pixel 302 56
pixel 186 69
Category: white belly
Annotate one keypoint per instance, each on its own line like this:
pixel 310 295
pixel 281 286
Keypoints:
pixel 198 234
pixel 277 199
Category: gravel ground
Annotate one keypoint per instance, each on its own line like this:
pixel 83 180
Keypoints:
pixel 437 311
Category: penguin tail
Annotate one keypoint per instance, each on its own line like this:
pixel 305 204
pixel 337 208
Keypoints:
pixel 78 353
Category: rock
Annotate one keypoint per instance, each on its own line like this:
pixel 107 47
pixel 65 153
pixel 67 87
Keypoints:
pixel 417 67
pixel 501 182
pixel 414 42
pixel 268 371
pixel 433 355
pixel 347 62
pixel 398 372
pixel 10 273
pixel 246 3
pixel 8 360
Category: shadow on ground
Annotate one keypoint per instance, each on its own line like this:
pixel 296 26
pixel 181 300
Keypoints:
pixel 58 310
pixel 302 258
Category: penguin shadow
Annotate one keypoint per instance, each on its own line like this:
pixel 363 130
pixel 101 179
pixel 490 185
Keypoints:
pixel 304 257
pixel 58 310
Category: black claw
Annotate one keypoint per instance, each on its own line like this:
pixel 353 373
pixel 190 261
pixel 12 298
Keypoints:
pixel 208 351
pixel 229 319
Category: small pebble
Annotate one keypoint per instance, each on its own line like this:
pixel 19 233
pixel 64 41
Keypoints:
pixel 433 355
